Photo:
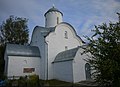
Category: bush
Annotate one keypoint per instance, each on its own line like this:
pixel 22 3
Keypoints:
pixel 33 81
pixel 27 81
pixel 22 82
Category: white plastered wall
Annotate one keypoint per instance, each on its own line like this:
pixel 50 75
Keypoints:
pixel 56 43
pixel 16 64
pixel 79 66
pixel 52 18
pixel 38 40
pixel 63 71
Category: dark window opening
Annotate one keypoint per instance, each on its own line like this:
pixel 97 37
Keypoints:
pixel 88 71
pixel 66 48
pixel 57 20
pixel 66 35
pixel 46 22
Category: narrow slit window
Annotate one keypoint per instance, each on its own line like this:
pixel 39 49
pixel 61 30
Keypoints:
pixel 57 20
pixel 66 48
pixel 66 34
pixel 46 22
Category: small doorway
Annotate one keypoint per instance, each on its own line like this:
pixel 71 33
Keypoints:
pixel 88 71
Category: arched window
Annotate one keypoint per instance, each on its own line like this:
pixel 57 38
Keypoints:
pixel 88 71
pixel 66 34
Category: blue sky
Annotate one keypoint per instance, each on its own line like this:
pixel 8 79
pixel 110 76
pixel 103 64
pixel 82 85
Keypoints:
pixel 81 14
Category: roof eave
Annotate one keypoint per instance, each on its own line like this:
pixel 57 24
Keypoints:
pixel 62 61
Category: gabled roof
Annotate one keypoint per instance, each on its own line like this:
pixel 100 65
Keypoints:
pixel 66 55
pixel 22 50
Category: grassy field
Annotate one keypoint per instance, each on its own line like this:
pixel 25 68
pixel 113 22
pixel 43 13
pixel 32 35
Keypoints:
pixel 36 82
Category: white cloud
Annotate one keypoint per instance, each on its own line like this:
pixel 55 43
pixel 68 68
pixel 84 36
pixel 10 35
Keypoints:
pixel 97 12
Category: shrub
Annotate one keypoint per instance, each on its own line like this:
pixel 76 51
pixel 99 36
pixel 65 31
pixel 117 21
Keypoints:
pixel 33 81
pixel 22 82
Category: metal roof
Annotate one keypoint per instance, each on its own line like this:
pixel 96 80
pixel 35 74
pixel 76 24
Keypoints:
pixel 53 9
pixel 45 31
pixel 22 50
pixel 66 55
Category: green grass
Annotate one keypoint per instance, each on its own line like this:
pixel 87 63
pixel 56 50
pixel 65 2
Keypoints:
pixel 45 83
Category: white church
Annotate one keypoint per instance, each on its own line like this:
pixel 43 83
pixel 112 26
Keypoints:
pixel 53 53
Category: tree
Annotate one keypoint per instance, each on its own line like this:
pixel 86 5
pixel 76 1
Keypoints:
pixel 1 61
pixel 104 46
pixel 15 31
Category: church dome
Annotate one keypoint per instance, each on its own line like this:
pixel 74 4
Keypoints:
pixel 53 17
pixel 53 9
